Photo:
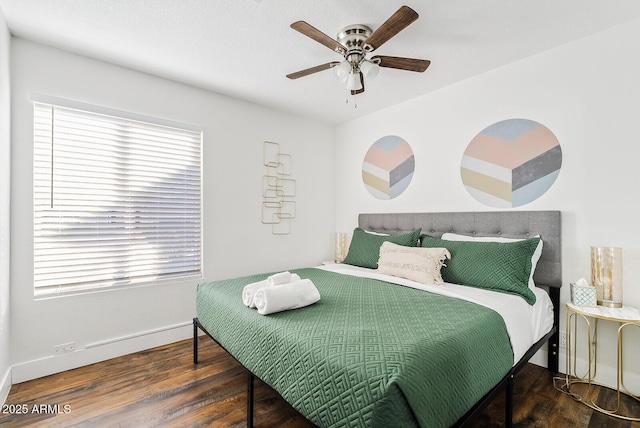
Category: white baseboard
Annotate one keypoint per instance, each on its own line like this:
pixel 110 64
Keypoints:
pixel 100 351
pixel 5 386
pixel 116 347
pixel 606 375
pixel 540 358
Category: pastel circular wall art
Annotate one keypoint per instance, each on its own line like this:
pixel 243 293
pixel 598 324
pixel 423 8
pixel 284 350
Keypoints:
pixel 388 167
pixel 511 163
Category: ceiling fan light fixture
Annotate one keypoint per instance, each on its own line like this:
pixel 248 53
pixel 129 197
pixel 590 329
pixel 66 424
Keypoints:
pixel 369 69
pixel 342 70
pixel 354 43
pixel 353 81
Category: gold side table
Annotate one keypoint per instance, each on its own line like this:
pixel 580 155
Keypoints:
pixel 625 316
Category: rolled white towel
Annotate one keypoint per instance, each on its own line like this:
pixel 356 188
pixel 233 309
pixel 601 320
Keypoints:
pixel 293 295
pixel 282 278
pixel 249 290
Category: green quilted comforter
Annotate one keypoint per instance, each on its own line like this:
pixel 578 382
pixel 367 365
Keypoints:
pixel 369 353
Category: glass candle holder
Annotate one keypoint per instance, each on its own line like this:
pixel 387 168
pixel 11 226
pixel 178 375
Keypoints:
pixel 340 247
pixel 606 275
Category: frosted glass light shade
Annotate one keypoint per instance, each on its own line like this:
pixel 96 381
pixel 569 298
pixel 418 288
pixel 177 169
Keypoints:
pixel 341 71
pixel 369 69
pixel 353 82
pixel 606 275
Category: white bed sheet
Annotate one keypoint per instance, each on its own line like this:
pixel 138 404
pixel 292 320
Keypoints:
pixel 526 324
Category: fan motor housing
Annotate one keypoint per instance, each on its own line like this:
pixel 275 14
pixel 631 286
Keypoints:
pixel 352 37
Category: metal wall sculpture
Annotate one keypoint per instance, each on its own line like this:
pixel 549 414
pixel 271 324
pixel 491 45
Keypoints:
pixel 278 189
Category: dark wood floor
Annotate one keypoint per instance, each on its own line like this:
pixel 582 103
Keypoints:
pixel 162 387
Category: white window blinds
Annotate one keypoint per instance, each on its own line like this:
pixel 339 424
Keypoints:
pixel 116 201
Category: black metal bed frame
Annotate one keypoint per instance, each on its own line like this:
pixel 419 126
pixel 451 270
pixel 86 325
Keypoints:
pixel 513 224
pixel 506 382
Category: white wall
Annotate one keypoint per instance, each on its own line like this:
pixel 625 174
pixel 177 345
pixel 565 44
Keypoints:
pixel 5 179
pixel 235 240
pixel 587 94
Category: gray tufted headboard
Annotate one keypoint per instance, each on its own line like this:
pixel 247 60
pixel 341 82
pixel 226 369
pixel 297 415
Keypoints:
pixel 509 224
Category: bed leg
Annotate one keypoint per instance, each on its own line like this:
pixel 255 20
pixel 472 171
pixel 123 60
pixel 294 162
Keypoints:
pixel 195 341
pixel 508 405
pixel 250 378
pixel 554 341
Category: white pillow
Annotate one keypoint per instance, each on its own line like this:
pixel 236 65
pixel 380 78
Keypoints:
pixel 534 258
pixel 415 263
pixel 371 232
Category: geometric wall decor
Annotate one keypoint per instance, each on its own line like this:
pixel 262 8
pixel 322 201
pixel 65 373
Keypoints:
pixel 278 189
pixel 511 163
pixel 388 167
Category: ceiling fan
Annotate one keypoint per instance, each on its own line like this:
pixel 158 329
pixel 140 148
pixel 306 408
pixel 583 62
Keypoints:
pixel 354 43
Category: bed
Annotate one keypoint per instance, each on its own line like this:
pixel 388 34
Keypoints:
pixel 380 350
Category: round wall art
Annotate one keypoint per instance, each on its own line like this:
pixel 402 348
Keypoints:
pixel 511 163
pixel 388 167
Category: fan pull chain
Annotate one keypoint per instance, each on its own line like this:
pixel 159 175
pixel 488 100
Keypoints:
pixel 346 98
pixel 347 92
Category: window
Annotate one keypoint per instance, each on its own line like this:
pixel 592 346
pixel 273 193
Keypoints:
pixel 117 201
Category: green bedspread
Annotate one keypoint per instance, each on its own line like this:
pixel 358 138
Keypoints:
pixel 369 353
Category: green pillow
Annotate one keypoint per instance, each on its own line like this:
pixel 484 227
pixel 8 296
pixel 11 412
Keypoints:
pixel 364 250
pixel 500 266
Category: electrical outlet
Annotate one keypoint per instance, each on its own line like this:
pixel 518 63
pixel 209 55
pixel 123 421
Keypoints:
pixel 563 340
pixel 65 348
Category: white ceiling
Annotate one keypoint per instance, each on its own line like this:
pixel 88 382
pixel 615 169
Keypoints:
pixel 244 48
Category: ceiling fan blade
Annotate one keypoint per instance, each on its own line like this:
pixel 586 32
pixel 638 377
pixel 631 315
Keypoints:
pixel 312 70
pixel 361 90
pixel 318 36
pixel 392 26
pixel 409 64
